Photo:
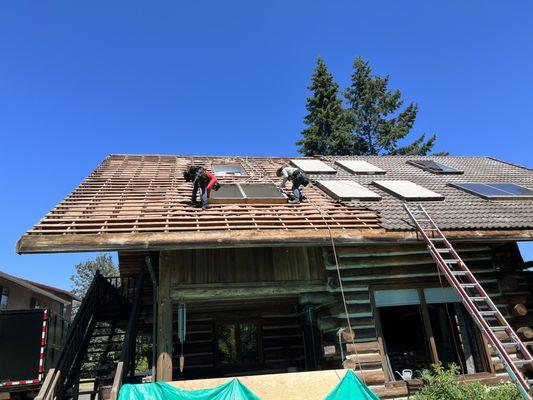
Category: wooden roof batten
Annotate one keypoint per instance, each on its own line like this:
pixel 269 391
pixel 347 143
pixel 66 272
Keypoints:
pixel 139 202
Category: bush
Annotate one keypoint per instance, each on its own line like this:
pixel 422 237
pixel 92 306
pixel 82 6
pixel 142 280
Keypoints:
pixel 443 384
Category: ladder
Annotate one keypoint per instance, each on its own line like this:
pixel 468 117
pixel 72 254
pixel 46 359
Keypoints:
pixel 489 319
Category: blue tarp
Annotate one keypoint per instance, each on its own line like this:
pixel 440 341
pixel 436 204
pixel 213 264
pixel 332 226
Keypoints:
pixel 233 390
pixel 351 388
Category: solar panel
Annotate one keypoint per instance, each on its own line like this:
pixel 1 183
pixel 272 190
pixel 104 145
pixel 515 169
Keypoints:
pixel 434 166
pixel 408 190
pixel 248 193
pixel 313 166
pixel 347 190
pixel 496 191
pixel 360 167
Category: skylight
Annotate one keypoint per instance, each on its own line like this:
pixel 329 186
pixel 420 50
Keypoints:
pixel 248 193
pixel 407 190
pixel 359 167
pixel 313 166
pixel 228 169
pixel 496 191
pixel 434 167
pixel 347 190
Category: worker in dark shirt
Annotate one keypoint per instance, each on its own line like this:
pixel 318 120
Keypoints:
pixel 297 177
pixel 202 179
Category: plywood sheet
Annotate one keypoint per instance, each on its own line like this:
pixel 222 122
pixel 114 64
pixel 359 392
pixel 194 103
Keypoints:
pixel 360 167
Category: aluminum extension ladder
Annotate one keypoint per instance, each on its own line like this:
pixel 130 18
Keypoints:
pixel 484 312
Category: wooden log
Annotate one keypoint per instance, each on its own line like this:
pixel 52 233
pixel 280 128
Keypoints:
pixel 525 332
pixel 520 309
pixel 164 325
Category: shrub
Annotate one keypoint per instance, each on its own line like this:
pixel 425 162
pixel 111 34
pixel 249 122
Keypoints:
pixel 443 384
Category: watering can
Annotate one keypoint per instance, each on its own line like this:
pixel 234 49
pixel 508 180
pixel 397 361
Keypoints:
pixel 406 374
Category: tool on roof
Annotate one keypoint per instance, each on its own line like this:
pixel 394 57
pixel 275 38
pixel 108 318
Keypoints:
pixel 484 312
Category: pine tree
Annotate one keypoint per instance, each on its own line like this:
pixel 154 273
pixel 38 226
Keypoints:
pixel 326 132
pixel 374 118
pixel 86 270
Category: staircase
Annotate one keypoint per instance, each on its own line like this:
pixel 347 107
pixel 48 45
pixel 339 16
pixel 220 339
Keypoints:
pixel 100 342
pixel 503 339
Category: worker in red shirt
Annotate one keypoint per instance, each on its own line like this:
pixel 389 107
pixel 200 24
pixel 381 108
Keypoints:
pixel 203 179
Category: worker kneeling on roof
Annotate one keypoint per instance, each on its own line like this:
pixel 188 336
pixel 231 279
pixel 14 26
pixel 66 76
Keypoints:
pixel 203 179
pixel 297 177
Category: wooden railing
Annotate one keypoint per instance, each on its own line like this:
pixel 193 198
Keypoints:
pixel 101 292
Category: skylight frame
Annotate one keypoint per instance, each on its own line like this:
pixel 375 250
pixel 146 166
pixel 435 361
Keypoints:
pixel 306 166
pixel 493 186
pixel 326 185
pixel 225 174
pixel 391 187
pixel 352 167
pixel 448 171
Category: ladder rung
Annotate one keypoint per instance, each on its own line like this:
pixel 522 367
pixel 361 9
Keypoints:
pixel 446 250
pixel 430 229
pixel 512 344
pixel 498 328
pixel 468 285
pixel 459 273
pixel 478 298
pixel 522 362
pixel 487 313
pixel 451 261
pixel 437 239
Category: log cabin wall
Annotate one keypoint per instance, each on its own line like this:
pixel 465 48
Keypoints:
pixel 308 276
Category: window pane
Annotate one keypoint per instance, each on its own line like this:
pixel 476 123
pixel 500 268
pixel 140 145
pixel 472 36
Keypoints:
pixel 513 189
pixel 249 350
pixel 481 188
pixel 226 344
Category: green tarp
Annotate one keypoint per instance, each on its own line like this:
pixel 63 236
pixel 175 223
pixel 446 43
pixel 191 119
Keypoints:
pixel 351 388
pixel 233 390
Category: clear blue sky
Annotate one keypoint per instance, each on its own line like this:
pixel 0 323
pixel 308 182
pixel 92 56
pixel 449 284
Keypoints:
pixel 81 80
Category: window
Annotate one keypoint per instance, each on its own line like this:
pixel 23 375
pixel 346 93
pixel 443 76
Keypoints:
pixel 313 166
pixel 434 167
pixel 36 303
pixel 496 191
pixel 360 167
pixel 4 297
pixel 228 170
pixel 429 315
pixel 407 190
pixel 237 343
pixel 347 190
pixel 248 193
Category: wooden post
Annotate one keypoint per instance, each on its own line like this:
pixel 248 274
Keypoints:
pixel 164 321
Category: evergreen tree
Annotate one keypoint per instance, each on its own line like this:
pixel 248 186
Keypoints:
pixel 326 132
pixel 86 270
pixel 374 118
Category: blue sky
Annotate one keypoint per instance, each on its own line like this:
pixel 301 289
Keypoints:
pixel 80 80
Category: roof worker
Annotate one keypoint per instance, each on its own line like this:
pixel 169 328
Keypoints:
pixel 202 179
pixel 297 177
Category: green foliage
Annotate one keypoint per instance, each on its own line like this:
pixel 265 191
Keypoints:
pixel 443 384
pixel 372 123
pixel 85 271
pixel 326 131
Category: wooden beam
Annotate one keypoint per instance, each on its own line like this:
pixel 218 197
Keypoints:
pixel 164 322
pixel 36 243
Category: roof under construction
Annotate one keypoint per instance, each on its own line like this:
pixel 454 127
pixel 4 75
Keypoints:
pixel 140 202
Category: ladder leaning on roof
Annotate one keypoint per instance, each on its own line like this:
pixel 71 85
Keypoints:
pixel 484 312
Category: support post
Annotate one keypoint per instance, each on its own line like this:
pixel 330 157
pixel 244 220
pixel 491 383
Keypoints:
pixel 150 267
pixel 164 321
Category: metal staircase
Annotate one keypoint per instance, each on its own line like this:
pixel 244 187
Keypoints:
pixel 489 319
pixel 101 337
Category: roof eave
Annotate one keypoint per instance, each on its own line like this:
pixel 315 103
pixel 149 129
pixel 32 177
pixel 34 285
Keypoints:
pixel 29 244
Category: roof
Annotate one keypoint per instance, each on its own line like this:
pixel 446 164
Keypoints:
pixel 36 288
pixel 58 292
pixel 140 202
